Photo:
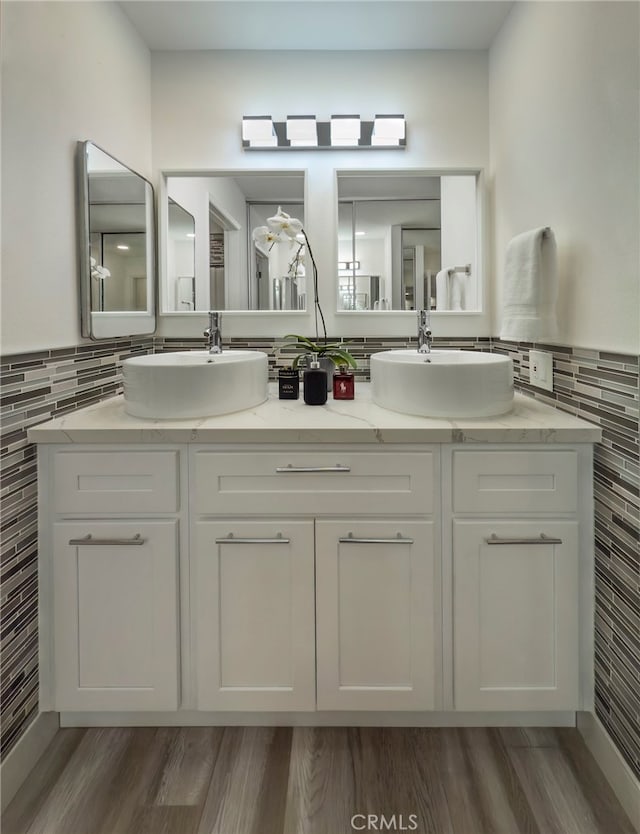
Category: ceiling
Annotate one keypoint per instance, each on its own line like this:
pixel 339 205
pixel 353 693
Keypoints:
pixel 316 24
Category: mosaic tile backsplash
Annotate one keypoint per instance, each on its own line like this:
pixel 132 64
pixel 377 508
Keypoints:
pixel 603 388
pixel 361 348
pixel 598 386
pixel 36 387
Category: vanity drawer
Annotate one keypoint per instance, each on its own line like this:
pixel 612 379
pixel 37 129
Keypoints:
pixel 358 483
pixel 115 482
pixel 515 481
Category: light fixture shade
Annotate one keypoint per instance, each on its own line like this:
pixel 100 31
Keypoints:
pixel 341 132
pixel 259 132
pixel 388 130
pixel 302 131
pixel 345 131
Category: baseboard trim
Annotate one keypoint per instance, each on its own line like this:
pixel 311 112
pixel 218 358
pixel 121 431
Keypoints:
pixel 616 771
pixel 191 718
pixel 24 756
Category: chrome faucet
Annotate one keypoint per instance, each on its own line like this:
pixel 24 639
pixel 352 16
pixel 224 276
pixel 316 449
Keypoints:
pixel 214 333
pixel 424 331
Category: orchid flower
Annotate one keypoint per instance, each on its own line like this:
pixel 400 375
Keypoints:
pixel 265 237
pixel 98 271
pixel 281 227
pixel 296 263
pixel 284 223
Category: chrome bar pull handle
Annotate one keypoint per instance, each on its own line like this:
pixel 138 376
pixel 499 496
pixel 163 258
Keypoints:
pixel 231 539
pixel 541 539
pixel 290 468
pixel 89 540
pixel 351 539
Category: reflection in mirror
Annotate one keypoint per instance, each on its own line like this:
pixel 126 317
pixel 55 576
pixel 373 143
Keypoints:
pixel 181 255
pixel 117 246
pixel 232 271
pixel 407 241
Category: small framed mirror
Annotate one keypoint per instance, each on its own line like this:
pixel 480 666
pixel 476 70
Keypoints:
pixel 234 268
pixel 408 240
pixel 117 246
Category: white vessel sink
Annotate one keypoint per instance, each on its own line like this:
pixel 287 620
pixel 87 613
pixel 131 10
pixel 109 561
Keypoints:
pixel 443 383
pixel 194 383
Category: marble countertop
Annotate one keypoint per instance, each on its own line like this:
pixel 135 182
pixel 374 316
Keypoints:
pixel 291 421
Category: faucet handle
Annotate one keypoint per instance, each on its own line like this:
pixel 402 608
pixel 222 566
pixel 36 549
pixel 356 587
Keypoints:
pixel 423 318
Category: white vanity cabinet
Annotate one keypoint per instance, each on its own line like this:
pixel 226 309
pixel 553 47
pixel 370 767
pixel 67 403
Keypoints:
pixel 331 607
pixel 516 579
pixel 110 584
pixel 302 565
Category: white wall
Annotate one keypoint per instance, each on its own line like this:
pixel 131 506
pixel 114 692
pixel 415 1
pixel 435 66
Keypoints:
pixel 565 153
pixel 199 98
pixel 70 71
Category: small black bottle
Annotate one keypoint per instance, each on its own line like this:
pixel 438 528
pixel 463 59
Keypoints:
pixel 314 381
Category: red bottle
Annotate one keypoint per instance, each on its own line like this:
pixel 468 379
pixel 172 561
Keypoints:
pixel 343 384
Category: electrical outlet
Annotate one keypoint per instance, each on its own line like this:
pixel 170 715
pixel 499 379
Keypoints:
pixel 541 369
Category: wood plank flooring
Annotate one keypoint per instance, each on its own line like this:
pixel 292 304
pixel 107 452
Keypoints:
pixel 283 780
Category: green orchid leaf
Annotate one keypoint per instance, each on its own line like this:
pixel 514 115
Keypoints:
pixel 335 351
pixel 343 357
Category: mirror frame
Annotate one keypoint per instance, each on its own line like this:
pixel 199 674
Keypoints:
pixel 99 325
pixel 481 246
pixel 166 315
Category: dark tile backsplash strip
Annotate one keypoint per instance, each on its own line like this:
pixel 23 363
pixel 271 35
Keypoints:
pixel 603 388
pixel 361 347
pixel 36 387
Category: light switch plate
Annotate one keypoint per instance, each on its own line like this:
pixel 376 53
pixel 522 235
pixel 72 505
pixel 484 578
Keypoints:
pixel 541 369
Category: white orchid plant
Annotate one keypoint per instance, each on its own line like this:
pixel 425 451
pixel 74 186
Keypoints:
pixel 98 271
pixel 282 228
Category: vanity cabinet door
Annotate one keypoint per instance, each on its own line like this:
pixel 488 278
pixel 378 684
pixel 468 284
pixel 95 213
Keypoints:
pixel 515 615
pixel 254 626
pixel 377 626
pixel 116 615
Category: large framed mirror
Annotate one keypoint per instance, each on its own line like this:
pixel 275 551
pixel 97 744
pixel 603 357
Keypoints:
pixel 233 268
pixel 117 246
pixel 408 240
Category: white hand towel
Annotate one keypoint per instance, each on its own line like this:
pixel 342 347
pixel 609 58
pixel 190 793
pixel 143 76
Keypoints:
pixel 530 288
pixel 443 300
pixel 450 290
pixel 457 288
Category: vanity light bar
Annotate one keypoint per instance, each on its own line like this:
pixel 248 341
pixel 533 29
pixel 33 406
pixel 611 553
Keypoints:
pixel 342 132
pixel 348 265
